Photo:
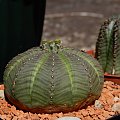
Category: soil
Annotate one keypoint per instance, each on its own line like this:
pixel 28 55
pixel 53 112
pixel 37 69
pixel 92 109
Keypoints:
pixel 102 109
pixel 77 22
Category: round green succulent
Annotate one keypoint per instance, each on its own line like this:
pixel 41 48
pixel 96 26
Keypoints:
pixel 51 78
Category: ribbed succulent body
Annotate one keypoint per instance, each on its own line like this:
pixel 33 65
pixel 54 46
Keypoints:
pixel 108 46
pixel 52 79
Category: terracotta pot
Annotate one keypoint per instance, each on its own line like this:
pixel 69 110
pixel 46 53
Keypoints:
pixel 113 78
pixel 108 77
pixel 91 52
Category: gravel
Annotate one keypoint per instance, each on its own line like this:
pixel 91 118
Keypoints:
pixel 110 107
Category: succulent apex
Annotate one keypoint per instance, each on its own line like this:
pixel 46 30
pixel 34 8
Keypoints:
pixel 51 45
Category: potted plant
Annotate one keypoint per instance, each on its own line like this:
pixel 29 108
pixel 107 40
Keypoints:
pixel 108 49
pixel 51 78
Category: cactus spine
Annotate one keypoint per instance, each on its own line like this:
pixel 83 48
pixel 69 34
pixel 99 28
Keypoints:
pixel 108 46
pixel 51 78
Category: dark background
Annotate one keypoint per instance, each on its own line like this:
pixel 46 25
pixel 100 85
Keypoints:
pixel 21 24
pixel 65 20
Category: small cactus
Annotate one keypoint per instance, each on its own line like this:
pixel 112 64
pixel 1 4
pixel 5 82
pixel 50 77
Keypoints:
pixel 108 46
pixel 51 78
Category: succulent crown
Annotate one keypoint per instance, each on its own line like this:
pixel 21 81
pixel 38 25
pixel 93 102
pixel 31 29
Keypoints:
pixel 51 45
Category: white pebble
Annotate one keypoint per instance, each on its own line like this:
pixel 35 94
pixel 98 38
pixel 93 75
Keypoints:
pixel 116 99
pixel 98 104
pixel 68 118
pixel 1 93
pixel 116 107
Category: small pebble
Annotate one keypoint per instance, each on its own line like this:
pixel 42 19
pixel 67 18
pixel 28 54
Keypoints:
pixel 98 104
pixel 116 107
pixel 116 99
pixel 1 93
pixel 68 118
